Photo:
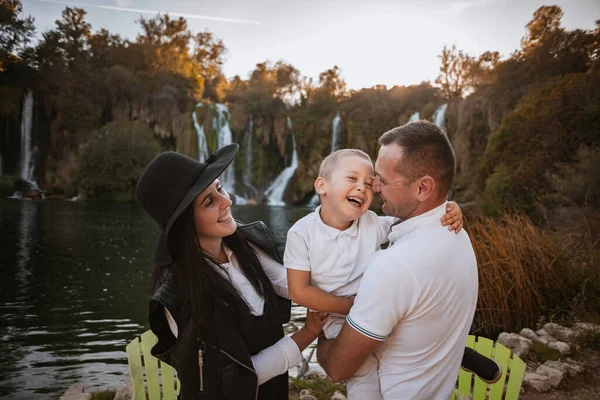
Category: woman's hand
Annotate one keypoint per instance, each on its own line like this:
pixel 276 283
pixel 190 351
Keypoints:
pixel 311 330
pixel 453 218
pixel 315 321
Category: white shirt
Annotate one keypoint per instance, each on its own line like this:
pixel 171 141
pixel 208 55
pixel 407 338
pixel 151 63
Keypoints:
pixel 419 294
pixel 336 259
pixel 281 356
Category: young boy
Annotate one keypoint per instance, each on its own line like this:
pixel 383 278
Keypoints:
pixel 327 251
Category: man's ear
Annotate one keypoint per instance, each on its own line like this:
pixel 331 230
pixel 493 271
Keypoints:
pixel 320 185
pixel 426 188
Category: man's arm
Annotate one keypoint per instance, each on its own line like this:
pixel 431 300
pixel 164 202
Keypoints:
pixel 312 297
pixel 342 357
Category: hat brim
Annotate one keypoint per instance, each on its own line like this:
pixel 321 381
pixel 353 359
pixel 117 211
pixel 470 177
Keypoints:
pixel 222 159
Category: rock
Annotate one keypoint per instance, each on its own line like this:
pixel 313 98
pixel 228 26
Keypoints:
pixel 307 397
pixel 463 397
pixel 252 202
pixel 315 374
pixel 562 347
pixel 76 392
pixel 560 332
pixel 125 392
pixel 555 376
pixel 516 343
pixel 575 365
pixel 586 327
pixel 337 395
pixel 529 334
pixel 569 370
pixel 305 392
pixel 544 337
pixel 537 382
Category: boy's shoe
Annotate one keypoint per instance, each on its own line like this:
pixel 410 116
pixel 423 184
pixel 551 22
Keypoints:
pixel 487 369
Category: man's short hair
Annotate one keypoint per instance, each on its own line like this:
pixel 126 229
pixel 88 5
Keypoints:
pixel 426 150
pixel 328 164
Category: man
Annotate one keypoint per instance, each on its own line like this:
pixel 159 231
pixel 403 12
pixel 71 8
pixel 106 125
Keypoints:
pixel 416 302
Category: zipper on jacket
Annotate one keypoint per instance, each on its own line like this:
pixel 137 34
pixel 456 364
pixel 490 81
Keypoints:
pixel 245 366
pixel 201 367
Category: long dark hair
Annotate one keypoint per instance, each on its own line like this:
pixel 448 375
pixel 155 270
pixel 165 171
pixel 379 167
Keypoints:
pixel 203 288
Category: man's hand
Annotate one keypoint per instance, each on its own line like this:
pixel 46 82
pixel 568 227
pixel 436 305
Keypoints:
pixel 342 357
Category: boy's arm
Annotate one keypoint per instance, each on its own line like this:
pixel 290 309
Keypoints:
pixel 301 292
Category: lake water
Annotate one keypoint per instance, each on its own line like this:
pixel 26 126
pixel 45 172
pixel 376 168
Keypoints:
pixel 74 290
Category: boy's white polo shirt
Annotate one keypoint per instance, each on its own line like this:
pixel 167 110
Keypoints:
pixel 336 259
pixel 419 295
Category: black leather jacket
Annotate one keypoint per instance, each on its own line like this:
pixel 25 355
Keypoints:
pixel 227 371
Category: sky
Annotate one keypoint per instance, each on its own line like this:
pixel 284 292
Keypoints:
pixel 389 42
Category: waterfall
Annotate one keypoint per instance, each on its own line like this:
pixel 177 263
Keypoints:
pixel 275 192
pixel 439 116
pixel 202 143
pixel 414 117
pixel 249 161
pixel 221 125
pixel 336 125
pixel 27 162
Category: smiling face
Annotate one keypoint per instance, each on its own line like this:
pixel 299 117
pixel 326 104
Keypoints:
pixel 212 214
pixel 346 192
pixel 399 195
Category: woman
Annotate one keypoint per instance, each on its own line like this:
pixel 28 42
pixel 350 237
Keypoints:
pixel 219 290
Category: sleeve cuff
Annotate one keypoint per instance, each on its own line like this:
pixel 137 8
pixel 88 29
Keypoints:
pixel 296 267
pixel 364 331
pixel 291 351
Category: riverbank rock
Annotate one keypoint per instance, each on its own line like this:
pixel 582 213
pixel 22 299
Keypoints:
pixel 562 347
pixel 125 392
pixel 337 395
pixel 560 332
pixel 539 383
pixel 555 376
pixel 516 343
pixel 76 392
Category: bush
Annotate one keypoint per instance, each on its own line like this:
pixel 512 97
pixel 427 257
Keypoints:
pixel 110 163
pixel 524 274
pixel 7 185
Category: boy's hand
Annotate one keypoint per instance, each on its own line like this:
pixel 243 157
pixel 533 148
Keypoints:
pixel 453 218
pixel 315 321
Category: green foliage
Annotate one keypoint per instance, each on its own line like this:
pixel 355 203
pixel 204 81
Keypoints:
pixel 535 140
pixel 7 185
pixel 110 163
pixel 103 395
pixel 321 388
pixel 544 353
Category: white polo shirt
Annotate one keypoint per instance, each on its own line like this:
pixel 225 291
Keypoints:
pixel 419 295
pixel 336 259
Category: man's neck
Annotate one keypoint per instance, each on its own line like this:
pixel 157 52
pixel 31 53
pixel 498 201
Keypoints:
pixel 425 207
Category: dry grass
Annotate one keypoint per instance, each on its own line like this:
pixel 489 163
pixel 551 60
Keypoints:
pixel 522 275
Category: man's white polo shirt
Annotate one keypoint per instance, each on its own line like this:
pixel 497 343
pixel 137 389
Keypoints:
pixel 419 295
pixel 336 259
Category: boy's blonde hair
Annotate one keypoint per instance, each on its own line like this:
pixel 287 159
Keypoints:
pixel 328 164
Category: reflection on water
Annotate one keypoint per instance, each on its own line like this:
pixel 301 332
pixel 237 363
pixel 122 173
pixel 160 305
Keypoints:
pixel 74 290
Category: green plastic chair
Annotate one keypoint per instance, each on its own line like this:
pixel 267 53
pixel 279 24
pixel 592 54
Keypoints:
pixel 513 366
pixel 158 374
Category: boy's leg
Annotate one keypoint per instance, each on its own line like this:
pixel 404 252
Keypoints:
pixel 485 368
pixel 364 385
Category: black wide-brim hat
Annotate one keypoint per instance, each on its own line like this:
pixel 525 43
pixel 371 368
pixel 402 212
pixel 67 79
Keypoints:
pixel 171 182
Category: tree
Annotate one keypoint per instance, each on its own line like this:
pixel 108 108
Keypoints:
pixel 74 35
pixel 15 32
pixel 332 83
pixel 545 22
pixel 455 72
